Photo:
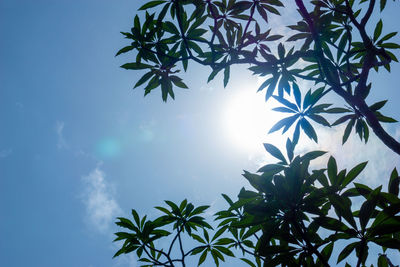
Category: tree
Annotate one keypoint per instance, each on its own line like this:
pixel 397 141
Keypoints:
pixel 285 221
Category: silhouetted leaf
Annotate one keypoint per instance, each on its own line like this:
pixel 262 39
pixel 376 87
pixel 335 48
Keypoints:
pixel 274 151
pixel 151 4
pixel 346 251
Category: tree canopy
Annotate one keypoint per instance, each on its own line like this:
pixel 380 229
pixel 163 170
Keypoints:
pixel 295 213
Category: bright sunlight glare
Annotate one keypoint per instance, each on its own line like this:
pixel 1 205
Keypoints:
pixel 247 120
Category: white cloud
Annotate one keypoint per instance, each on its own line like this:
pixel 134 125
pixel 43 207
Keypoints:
pixel 98 197
pixel 5 153
pixel 61 143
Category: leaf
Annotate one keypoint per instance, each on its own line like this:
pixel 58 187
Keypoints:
pixel 264 84
pixel 347 131
pixel 313 155
pixel 378 30
pixel 226 75
pixel 124 50
pixel 198 238
pixel 225 250
pixel 342 208
pixel 331 224
pixel 382 261
pixel 178 81
pixel 202 257
pixel 144 79
pixel 353 173
pixel 309 130
pixel 271 169
pixel 286 103
pixel 382 4
pixel 387 37
pixel 151 4
pixel 327 251
pixel 393 186
pixel 332 171
pixel 136 217
pixel 283 109
pixel 367 208
pixel 378 105
pixel 298 36
pixel 213 74
pixel 297 94
pixel 136 66
pixel 274 151
pixel 290 149
pixel 281 51
pixel 346 251
pixel 319 119
pixel 342 119
pixel 249 262
pixel 284 122
pixel 390 45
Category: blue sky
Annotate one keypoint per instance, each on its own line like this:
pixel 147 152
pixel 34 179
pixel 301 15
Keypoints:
pixel 79 147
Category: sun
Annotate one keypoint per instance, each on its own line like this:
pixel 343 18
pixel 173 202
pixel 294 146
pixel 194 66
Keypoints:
pixel 247 119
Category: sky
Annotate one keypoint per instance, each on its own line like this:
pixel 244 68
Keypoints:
pixel 79 147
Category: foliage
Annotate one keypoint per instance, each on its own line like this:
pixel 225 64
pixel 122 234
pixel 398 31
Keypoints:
pixel 295 216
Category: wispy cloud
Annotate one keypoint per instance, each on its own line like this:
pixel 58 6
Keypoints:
pixel 61 143
pixel 98 197
pixel 5 153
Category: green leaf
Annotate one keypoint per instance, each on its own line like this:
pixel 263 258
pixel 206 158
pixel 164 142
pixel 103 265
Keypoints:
pixel 394 183
pixel 347 131
pixel 382 261
pixel 202 257
pixel 327 251
pixel 124 50
pixel 337 110
pixel 225 241
pixel 378 30
pixel 378 105
pixel 136 217
pixel 213 74
pixel 346 251
pixel 178 81
pixel 151 4
pixel 224 250
pixel 313 155
pixel 198 238
pixel 136 66
pixel 390 45
pixel 343 208
pixel 387 37
pixel 271 169
pixel 332 170
pixel 144 79
pixel 274 151
pixel 249 262
pixel 353 173
pixel 342 119
pixel 331 224
pixel 382 4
